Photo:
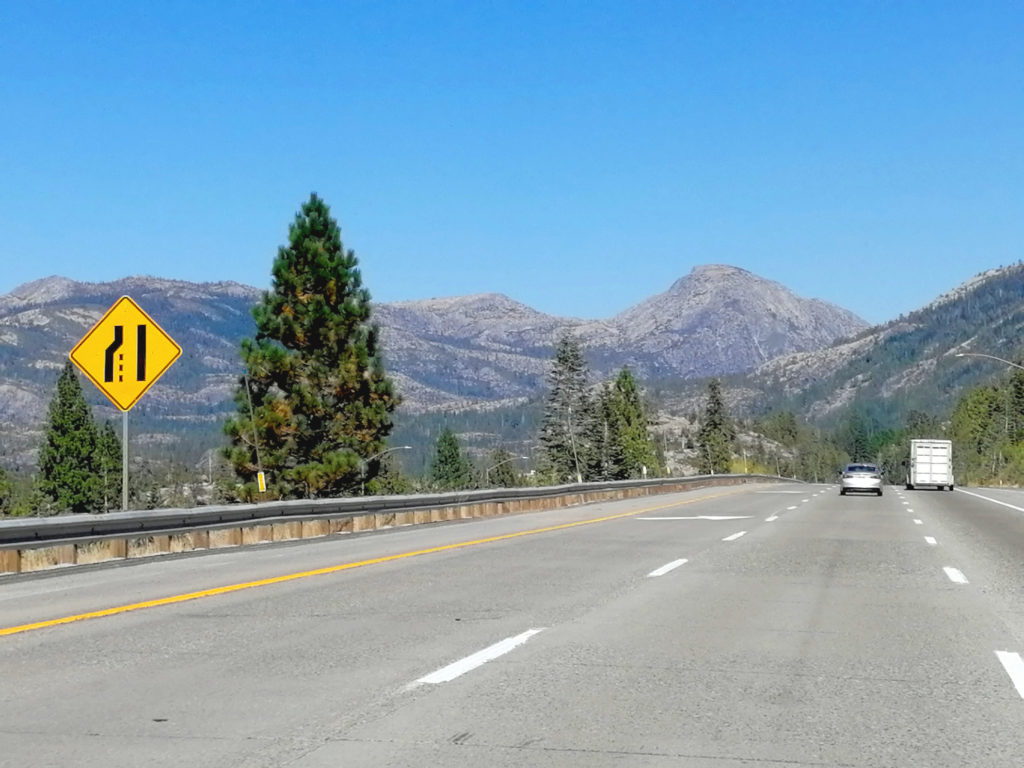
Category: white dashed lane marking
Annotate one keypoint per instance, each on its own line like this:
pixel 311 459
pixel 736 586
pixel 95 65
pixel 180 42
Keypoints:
pixel 734 536
pixel 930 540
pixel 490 653
pixel 1014 666
pixel 667 567
pixel 955 575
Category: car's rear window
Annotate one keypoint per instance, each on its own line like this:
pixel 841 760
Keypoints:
pixel 861 468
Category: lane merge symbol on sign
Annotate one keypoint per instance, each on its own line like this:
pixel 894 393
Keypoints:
pixel 125 353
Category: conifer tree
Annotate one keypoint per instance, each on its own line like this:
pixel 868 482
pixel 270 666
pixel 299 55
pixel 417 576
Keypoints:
pixel 450 470
pixel 67 460
pixel 1015 407
pixel 6 493
pixel 856 439
pixel 568 426
pixel 608 459
pixel 314 401
pixel 631 446
pixel 108 462
pixel 502 470
pixel 716 435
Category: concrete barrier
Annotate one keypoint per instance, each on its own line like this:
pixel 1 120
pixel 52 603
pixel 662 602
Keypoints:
pixel 84 541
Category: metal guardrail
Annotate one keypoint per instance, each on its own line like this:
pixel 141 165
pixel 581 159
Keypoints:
pixel 17 531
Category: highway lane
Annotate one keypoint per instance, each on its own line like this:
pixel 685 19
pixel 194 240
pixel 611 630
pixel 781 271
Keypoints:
pixel 829 635
pixel 833 638
pixel 247 667
pixel 46 595
pixel 983 527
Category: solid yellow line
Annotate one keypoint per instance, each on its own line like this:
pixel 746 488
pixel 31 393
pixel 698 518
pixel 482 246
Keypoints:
pixel 334 569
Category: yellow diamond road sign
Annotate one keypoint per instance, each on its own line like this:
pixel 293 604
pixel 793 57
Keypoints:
pixel 125 353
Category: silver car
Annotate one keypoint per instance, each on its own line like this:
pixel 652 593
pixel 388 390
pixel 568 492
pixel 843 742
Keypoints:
pixel 860 477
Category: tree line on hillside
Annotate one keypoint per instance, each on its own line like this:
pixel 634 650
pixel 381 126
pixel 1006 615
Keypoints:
pixel 987 314
pixel 315 409
pixel 987 429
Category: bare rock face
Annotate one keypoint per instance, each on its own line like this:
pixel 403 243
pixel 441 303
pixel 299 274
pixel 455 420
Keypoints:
pixel 462 352
pixel 721 319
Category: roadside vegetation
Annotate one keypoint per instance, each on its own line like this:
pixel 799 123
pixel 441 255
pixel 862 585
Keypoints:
pixel 593 431
pixel 987 429
pixel 316 414
pixel 314 403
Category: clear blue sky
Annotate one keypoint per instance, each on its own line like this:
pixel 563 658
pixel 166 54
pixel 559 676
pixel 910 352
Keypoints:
pixel 577 156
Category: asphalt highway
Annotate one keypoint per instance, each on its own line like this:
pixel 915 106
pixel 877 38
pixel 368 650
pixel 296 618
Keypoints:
pixel 768 625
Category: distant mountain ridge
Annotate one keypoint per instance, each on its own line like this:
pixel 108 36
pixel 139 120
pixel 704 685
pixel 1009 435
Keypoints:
pixel 716 320
pixel 754 320
pixel 909 363
pixel 477 351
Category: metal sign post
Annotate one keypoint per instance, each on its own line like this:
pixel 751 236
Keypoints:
pixel 124 461
pixel 123 355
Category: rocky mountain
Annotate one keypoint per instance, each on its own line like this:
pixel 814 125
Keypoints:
pixel 721 319
pixel 909 363
pixel 479 351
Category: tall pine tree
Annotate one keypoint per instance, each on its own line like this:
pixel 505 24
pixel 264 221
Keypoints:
pixel 716 435
pixel 631 446
pixel 568 426
pixel 314 402
pixel 108 461
pixel 6 493
pixel 67 458
pixel 450 470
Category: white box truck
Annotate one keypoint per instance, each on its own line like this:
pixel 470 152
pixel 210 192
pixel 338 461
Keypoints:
pixel 931 464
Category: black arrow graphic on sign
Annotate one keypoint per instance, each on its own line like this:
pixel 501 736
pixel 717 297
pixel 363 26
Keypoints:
pixel 140 354
pixel 108 365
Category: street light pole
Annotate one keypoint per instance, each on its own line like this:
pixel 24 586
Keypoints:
pixel 487 472
pixel 365 464
pixel 990 357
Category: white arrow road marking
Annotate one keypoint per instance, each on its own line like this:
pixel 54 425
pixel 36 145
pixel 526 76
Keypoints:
pixel 700 517
pixel 955 575
pixel 667 567
pixel 734 536
pixel 1014 666
pixel 490 653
